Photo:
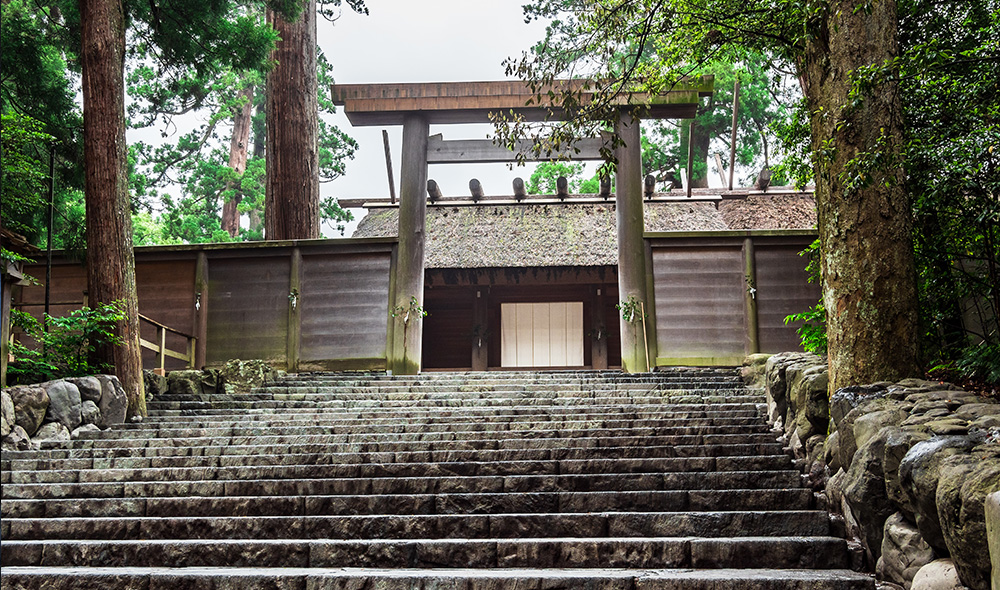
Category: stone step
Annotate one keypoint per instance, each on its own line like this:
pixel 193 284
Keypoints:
pixel 734 403
pixel 427 579
pixel 335 416
pixel 391 469
pixel 96 459
pixel 415 485
pixel 805 523
pixel 475 503
pixel 724 424
pixel 576 552
pixel 342 444
pixel 460 390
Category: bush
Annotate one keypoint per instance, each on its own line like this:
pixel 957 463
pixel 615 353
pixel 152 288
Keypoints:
pixel 66 348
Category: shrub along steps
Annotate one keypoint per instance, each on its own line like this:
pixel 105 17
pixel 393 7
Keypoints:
pixel 479 481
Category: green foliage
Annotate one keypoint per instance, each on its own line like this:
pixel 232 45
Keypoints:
pixel 413 311
pixel 981 362
pixel 543 179
pixel 812 332
pixel 63 345
pixel 631 310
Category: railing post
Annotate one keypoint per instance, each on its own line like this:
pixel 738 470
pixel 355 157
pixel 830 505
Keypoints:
pixel 163 348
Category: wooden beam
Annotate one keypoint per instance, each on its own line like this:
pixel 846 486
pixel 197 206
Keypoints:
pixel 631 247
pixel 484 151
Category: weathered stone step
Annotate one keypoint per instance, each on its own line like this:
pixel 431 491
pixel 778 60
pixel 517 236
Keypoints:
pixel 306 401
pixel 707 434
pixel 96 459
pixel 734 403
pixel 295 445
pixel 497 389
pixel 415 485
pixel 455 526
pixel 423 579
pixel 679 426
pixel 389 469
pixel 475 503
pixel 334 416
pixel 622 552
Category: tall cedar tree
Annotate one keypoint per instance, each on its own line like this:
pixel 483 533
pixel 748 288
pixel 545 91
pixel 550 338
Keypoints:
pixel 291 205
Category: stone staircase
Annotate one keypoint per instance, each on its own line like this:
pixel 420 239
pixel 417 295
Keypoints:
pixel 489 481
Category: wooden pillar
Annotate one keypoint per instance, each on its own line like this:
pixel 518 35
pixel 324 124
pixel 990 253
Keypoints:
pixel 599 330
pixel 752 345
pixel 201 309
pixel 480 329
pixel 409 327
pixel 294 307
pixel 631 249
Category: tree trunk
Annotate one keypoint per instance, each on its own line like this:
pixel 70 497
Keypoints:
pixel 239 145
pixel 291 209
pixel 869 281
pixel 699 154
pixel 110 262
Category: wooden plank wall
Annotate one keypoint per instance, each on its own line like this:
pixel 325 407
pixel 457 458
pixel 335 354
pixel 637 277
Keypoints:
pixel 342 308
pixel 700 289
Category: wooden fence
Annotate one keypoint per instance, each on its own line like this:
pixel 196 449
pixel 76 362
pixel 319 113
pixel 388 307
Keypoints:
pixel 301 305
pixel 719 296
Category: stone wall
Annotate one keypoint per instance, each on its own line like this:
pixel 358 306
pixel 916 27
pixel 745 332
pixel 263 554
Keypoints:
pixel 60 410
pixel 909 466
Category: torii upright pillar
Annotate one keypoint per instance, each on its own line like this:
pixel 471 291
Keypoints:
pixel 631 248
pixel 408 328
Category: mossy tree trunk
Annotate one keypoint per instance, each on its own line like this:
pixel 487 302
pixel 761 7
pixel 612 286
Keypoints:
pixel 864 215
pixel 238 151
pixel 291 209
pixel 110 260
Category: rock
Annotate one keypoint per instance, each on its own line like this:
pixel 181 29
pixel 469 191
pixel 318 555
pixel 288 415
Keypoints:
pixel 939 574
pixel 64 403
pixel 904 551
pixel 897 445
pixel 85 428
pixel 90 388
pixel 808 399
pixel 865 494
pixel 239 376
pixel 30 405
pixel 193 382
pixel 155 385
pixel 6 413
pixel 835 488
pixel 90 413
pixel 777 386
pixel 846 399
pixel 52 431
pixel 848 441
pixel 114 403
pixel 971 412
pixel 918 479
pixel 831 451
pixel 754 370
pixel 868 425
pixel 17 440
pixel 993 532
pixel 963 484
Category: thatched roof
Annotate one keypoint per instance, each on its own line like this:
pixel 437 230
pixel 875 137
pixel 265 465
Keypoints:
pixel 575 234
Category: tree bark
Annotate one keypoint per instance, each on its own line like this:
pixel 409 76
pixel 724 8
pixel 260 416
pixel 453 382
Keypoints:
pixel 110 261
pixel 238 150
pixel 869 281
pixel 291 209
pixel 698 175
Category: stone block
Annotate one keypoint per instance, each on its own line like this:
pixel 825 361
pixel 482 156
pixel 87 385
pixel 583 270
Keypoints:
pixel 937 575
pixel 30 404
pixel 90 388
pixel 6 413
pixel 64 403
pixel 114 403
pixel 963 484
pixel 904 551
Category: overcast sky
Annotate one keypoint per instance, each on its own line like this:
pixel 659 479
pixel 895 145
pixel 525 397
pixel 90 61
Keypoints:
pixel 423 41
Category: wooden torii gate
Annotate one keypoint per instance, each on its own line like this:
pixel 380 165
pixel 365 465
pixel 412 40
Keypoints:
pixel 416 106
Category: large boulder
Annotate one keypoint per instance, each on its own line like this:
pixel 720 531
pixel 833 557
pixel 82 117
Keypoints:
pixel 52 431
pixel 904 551
pixel 808 400
pixel 963 484
pixel 90 388
pixel 64 403
pixel 6 413
pixel 872 405
pixel 155 384
pixel 846 399
pixel 90 413
pixel 939 574
pixel 897 445
pixel 193 382
pixel 993 532
pixel 239 376
pixel 865 495
pixel 17 440
pixel 775 370
pixel 30 405
pixel 113 403
pixel 754 370
pixel 918 478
